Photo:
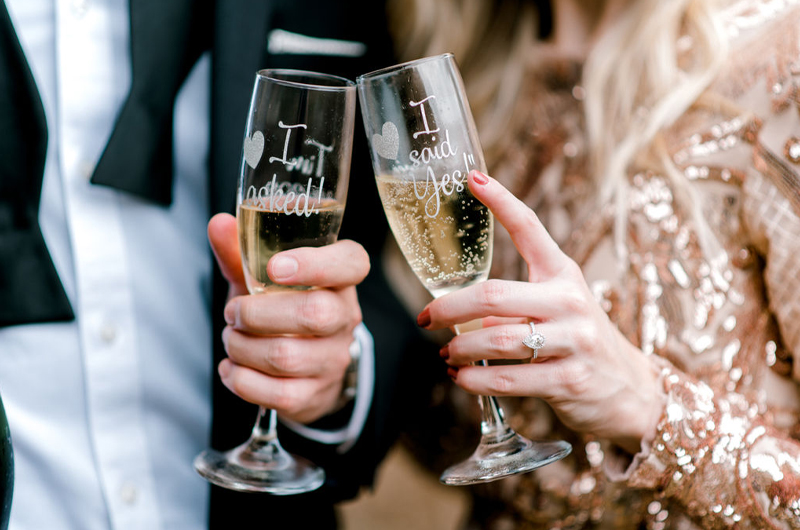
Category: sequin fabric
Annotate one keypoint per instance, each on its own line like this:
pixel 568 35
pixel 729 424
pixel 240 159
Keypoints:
pixel 722 321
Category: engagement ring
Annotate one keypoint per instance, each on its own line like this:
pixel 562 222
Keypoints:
pixel 534 341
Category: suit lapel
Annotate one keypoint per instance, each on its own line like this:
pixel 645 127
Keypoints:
pixel 240 29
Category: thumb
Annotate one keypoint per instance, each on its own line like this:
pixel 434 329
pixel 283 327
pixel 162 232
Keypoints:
pixel 224 239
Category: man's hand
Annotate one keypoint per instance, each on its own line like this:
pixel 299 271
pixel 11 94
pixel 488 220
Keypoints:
pixel 288 350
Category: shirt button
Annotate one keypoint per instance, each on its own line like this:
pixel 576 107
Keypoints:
pixel 128 493
pixel 108 332
pixel 79 7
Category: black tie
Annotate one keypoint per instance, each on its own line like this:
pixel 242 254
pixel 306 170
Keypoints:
pixel 30 290
pixel 167 37
pixel 166 40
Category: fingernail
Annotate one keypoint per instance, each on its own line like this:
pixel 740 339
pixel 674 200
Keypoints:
pixel 230 313
pixel 283 267
pixel 444 353
pixel 424 318
pixel 224 368
pixel 479 178
pixel 452 371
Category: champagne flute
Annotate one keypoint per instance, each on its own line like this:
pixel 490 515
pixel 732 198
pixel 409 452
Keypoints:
pixel 424 144
pixel 292 189
pixel 6 469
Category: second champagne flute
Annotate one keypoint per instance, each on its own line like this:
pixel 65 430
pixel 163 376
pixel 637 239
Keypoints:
pixel 424 144
pixel 292 189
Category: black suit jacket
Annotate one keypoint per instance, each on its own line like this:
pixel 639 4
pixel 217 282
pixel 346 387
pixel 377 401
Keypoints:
pixel 241 29
pixel 236 32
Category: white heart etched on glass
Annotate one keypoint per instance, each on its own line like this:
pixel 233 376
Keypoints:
pixel 388 143
pixel 253 149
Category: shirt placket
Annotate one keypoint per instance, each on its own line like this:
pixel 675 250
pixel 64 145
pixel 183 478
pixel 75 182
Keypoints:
pixel 104 298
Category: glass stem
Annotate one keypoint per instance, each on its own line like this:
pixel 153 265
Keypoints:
pixel 263 445
pixel 266 427
pixel 494 428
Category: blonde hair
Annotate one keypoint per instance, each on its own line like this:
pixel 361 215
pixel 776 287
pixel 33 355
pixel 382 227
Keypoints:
pixel 643 75
pixel 647 69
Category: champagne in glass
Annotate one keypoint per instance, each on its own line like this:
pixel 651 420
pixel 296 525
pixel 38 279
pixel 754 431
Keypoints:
pixel 292 190
pixel 263 233
pixel 447 251
pixel 424 144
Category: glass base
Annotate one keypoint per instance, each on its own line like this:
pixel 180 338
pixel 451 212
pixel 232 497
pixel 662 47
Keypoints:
pixel 259 467
pixel 495 459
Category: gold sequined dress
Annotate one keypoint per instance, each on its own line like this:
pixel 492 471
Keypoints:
pixel 725 327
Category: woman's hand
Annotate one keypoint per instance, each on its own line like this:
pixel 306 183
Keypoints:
pixel 289 350
pixel 595 380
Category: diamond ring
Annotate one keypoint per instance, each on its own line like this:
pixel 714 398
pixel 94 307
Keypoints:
pixel 534 341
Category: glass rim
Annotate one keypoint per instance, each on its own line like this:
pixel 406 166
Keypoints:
pixel 402 66
pixel 272 74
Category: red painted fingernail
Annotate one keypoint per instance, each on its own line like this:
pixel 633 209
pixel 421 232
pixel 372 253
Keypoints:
pixel 444 352
pixel 424 318
pixel 452 371
pixel 480 178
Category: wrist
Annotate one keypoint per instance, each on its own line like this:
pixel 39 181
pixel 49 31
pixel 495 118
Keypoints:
pixel 347 435
pixel 350 380
pixel 642 414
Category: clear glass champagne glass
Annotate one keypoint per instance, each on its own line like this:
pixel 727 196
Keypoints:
pixel 6 469
pixel 424 144
pixel 292 190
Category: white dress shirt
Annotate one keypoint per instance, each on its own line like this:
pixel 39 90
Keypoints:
pixel 107 412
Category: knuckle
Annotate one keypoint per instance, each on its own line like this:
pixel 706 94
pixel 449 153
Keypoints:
pixel 501 383
pixel 573 301
pixel 357 316
pixel 355 320
pixel 343 361
pixel 585 337
pixel 360 258
pixel 576 379
pixel 503 340
pixel 282 358
pixel 318 312
pixel 526 220
pixel 530 217
pixel 572 269
pixel 351 307
pixel 492 294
